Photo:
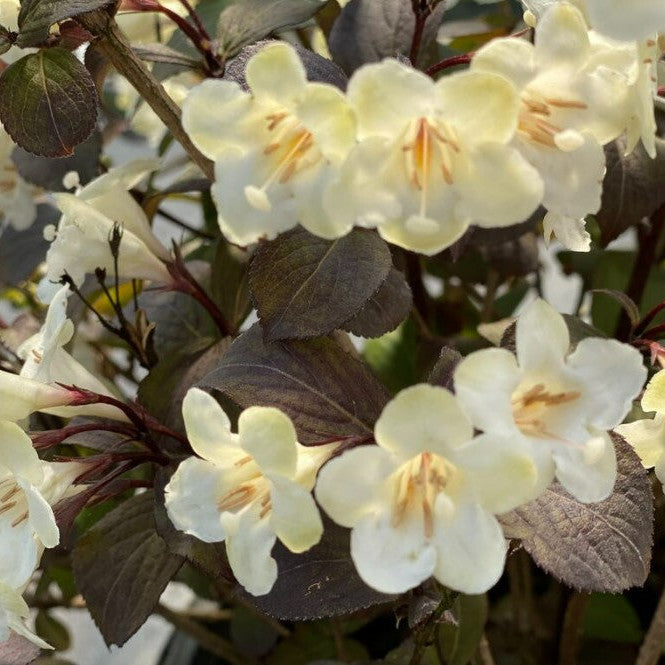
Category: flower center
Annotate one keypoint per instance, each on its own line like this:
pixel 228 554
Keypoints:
pixel 433 147
pixel 533 408
pixel 536 126
pixel 291 150
pixel 252 487
pixel 417 485
pixel 13 504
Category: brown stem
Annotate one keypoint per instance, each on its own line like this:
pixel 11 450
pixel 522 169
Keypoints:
pixel 114 45
pixel 572 629
pixel 644 260
pixel 421 11
pixel 652 647
pixel 453 61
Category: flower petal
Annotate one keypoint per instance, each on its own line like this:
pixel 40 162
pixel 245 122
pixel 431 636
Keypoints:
pixel 191 499
pixel 647 437
pixel 41 517
pixel 386 96
pixel 597 364
pixel 208 427
pixel 391 559
pixel 20 554
pixel 654 395
pixel 249 541
pixel 588 472
pixel 422 418
pixel 628 21
pixel 542 338
pixel 471 548
pixel 570 232
pixel 562 38
pixel 269 436
pixel 294 517
pixel 511 57
pixel 484 383
pixel 275 75
pixel 350 486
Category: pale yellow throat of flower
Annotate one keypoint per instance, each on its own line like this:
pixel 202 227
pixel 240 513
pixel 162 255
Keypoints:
pixel 532 407
pixel 291 150
pixel 535 125
pixel 430 150
pixel 13 501
pixel 253 487
pixel 417 484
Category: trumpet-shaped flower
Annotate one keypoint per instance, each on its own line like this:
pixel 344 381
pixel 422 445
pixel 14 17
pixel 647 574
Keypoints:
pixel 13 614
pixel 561 403
pixel 81 242
pixel 28 489
pixel 432 157
pixel 275 148
pixel 423 501
pixel 246 489
pixel 20 396
pixel 647 436
pixel 572 102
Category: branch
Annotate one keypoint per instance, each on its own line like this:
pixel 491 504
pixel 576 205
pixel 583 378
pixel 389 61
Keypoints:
pixel 114 45
pixel 652 647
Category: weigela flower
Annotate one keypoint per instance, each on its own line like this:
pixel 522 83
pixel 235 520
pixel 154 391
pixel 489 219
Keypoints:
pixel 571 103
pixel 647 436
pixel 13 614
pixel 246 489
pixel 28 489
pixel 561 403
pixel 275 148
pixel 433 157
pixel 20 396
pixel 422 502
pixel 81 241
pixel 17 204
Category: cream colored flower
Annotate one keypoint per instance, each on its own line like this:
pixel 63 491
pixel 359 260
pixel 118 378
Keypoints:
pixel 561 404
pixel 246 489
pixel 13 615
pixel 275 148
pixel 17 197
pixel 422 502
pixel 433 157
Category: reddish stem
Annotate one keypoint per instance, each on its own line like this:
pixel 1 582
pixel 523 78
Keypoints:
pixel 648 318
pixel 453 61
pixel 54 437
pixel 421 15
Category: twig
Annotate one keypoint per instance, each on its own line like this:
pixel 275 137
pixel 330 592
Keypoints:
pixel 572 629
pixel 114 45
pixel 652 647
pixel 453 61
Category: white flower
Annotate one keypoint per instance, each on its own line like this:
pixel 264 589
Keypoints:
pixel 423 501
pixel 17 204
pixel 28 489
pixel 433 157
pixel 275 150
pixel 13 614
pixel 647 436
pixel 81 243
pixel 572 103
pixel 20 396
pixel 246 489
pixel 561 403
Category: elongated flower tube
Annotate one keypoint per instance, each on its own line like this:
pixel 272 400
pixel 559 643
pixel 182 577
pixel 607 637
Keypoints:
pixel 423 501
pixel 561 403
pixel 275 148
pixel 246 489
pixel 81 240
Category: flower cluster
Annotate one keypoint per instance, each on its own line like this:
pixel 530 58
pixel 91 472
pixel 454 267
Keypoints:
pixel 423 501
pixel 421 160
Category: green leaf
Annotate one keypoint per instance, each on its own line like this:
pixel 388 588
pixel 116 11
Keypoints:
pixel 37 16
pixel 612 618
pixel 122 566
pixel 52 631
pixel 247 21
pixel 385 310
pixel 48 172
pixel 634 188
pixel 459 640
pixel 5 40
pixel 48 102
pixel 321 582
pixel 320 383
pixel 603 546
pixel 305 286
pixel 370 30
pixel 444 368
pixel 166 55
